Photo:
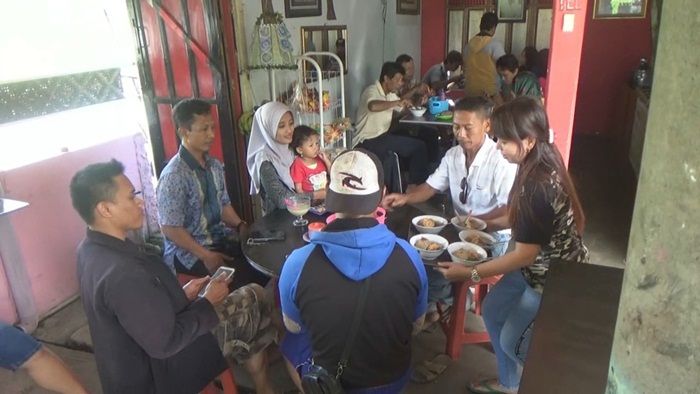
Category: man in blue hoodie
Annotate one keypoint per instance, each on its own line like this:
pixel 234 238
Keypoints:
pixel 320 284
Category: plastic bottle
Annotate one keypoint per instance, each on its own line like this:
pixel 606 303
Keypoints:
pixel 642 74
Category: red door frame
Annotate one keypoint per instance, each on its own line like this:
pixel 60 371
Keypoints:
pixel 183 52
pixel 564 65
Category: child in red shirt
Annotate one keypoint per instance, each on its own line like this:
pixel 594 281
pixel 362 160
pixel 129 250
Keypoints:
pixel 310 168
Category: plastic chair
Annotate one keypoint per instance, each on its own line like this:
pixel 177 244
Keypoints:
pixel 227 382
pixel 392 173
pixel 454 328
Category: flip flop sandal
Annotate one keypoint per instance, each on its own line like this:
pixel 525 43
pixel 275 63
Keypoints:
pixel 486 387
pixel 421 374
pixel 446 314
pixel 429 370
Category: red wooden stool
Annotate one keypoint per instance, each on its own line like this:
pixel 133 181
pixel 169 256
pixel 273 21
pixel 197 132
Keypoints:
pixel 227 382
pixel 454 328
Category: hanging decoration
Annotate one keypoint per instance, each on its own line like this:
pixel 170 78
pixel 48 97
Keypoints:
pixel 272 44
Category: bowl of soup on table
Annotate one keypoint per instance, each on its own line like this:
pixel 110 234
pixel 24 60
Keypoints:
pixel 485 240
pixel 430 246
pixel 429 224
pixel 468 223
pixel 466 253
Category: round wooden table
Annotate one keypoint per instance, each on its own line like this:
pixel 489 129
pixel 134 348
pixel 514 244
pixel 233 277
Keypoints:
pixel 269 257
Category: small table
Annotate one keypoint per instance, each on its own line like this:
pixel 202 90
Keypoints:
pixel 15 268
pixel 426 120
pixel 268 258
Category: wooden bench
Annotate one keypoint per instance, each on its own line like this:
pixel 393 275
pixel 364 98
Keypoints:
pixel 573 333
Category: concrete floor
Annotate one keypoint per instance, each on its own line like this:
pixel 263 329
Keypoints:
pixel 606 188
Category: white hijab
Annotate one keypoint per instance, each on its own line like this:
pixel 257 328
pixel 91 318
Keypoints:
pixel 262 146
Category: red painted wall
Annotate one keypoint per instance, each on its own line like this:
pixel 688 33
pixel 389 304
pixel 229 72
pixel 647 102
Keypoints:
pixel 611 51
pixel 564 67
pixel 433 28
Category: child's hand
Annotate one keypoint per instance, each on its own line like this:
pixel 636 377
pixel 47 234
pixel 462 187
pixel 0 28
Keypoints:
pixel 325 160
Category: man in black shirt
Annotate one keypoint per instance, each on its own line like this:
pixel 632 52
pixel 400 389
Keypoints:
pixel 149 334
pixel 320 283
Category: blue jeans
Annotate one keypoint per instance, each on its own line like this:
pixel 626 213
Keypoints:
pixel 501 246
pixel 440 289
pixel 509 311
pixel 16 347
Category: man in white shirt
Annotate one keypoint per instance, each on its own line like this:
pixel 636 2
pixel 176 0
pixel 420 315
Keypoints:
pixel 378 103
pixel 477 176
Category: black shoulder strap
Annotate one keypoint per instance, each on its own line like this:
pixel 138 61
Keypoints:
pixel 359 309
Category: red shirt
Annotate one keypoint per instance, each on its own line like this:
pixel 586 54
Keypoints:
pixel 311 179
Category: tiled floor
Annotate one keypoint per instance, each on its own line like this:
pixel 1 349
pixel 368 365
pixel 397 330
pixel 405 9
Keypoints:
pixel 607 195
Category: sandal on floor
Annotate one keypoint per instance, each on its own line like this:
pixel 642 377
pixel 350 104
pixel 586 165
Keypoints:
pixel 431 321
pixel 489 386
pixel 429 370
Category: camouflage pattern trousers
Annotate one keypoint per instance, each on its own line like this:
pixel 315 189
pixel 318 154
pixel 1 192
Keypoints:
pixel 245 322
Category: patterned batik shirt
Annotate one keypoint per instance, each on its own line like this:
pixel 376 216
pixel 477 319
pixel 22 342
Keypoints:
pixel 552 227
pixel 192 197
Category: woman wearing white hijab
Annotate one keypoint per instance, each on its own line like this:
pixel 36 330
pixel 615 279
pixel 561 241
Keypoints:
pixel 269 156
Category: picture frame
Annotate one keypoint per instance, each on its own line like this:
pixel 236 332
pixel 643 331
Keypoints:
pixel 302 8
pixel 408 7
pixel 510 10
pixel 610 9
pixel 326 38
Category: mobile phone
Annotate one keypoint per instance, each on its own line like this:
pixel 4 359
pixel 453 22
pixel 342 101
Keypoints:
pixel 431 263
pixel 258 236
pixel 318 209
pixel 225 273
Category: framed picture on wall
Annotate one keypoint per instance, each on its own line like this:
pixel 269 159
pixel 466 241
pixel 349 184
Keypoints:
pixel 408 7
pixel 615 9
pixel 301 8
pixel 510 10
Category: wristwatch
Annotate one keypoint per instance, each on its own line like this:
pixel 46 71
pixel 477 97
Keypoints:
pixel 476 278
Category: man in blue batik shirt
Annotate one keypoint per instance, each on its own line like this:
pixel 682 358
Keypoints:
pixel 194 209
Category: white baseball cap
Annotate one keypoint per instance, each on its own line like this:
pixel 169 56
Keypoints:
pixel 357 182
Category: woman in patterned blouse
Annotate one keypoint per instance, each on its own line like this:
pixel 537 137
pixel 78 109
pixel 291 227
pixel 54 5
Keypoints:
pixel 547 221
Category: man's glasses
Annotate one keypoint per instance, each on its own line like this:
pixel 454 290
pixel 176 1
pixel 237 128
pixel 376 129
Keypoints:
pixel 464 185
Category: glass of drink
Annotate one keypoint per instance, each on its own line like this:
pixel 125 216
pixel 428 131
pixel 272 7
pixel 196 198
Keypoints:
pixel 298 205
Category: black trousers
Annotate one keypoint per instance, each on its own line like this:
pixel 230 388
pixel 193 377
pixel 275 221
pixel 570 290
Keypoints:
pixel 244 274
pixel 427 134
pixel 408 149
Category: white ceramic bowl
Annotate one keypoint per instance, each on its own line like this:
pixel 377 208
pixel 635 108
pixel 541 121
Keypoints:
pixel 417 111
pixel 429 254
pixel 486 240
pixel 476 223
pixel 440 221
pixel 453 247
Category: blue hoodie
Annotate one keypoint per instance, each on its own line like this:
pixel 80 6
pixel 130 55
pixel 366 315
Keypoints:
pixel 357 254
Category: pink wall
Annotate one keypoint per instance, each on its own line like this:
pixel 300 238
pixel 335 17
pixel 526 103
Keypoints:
pixel 49 230
pixel 611 51
pixel 7 309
